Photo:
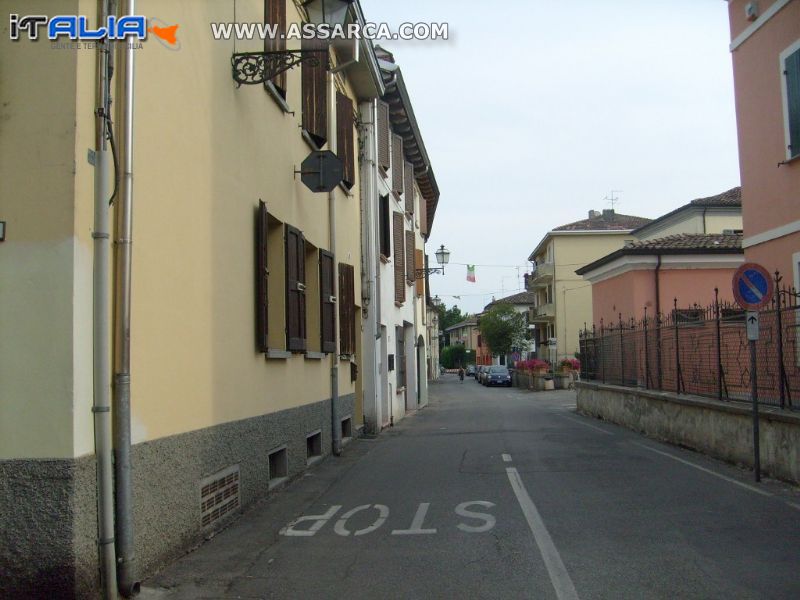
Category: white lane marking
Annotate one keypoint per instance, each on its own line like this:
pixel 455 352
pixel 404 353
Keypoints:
pixel 416 522
pixel 704 470
pixel 383 514
pixel 793 505
pixel 579 422
pixel 488 520
pixel 506 458
pixel 317 520
pixel 559 577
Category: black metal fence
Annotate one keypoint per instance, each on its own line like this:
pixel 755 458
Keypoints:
pixel 701 350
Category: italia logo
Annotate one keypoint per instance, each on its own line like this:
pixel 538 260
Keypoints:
pixel 76 27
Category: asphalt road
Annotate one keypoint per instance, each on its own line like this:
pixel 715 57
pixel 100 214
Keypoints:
pixel 501 493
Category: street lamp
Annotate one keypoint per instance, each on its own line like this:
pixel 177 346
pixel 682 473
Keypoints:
pixel 260 67
pixel 442 257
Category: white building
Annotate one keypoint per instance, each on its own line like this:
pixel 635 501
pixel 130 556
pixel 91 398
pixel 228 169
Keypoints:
pixel 399 198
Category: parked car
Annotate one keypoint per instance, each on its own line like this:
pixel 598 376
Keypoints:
pixel 470 370
pixel 498 375
pixel 479 373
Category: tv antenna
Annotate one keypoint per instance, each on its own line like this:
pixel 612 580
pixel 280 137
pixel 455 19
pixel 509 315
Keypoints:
pixel 612 198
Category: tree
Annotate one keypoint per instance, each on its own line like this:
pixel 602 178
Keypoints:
pixel 452 356
pixel 503 329
pixel 449 316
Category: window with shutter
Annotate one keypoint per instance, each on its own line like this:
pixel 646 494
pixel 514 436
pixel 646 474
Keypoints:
pixel 384 135
pixel 344 138
pixel 397 164
pixel 275 14
pixel 347 310
pixel 399 258
pixel 410 257
pixel 295 290
pixel 791 72
pixel 409 187
pixel 314 90
pixel 419 265
pixel 386 228
pixel 262 275
pixel 423 216
pixel 327 302
pixel 400 349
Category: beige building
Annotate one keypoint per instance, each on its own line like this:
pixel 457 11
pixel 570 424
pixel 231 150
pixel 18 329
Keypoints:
pixel 721 213
pixel 245 289
pixel 563 300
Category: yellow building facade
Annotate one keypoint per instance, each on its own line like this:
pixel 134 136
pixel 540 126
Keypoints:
pixel 209 401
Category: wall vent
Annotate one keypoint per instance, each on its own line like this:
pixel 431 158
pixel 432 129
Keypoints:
pixel 347 428
pixel 219 495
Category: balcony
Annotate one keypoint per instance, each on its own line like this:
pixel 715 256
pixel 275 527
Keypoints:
pixel 543 312
pixel 541 277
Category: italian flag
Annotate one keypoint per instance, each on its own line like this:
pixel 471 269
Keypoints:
pixel 471 273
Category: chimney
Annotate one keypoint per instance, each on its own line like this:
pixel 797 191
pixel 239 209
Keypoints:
pixel 593 214
pixel 608 214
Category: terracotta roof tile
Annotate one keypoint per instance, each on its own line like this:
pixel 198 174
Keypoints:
pixel 605 222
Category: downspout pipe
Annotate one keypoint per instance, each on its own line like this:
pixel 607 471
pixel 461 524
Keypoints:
pixel 127 582
pixel 336 426
pixel 101 317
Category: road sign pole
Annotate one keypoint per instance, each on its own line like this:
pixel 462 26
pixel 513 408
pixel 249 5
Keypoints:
pixel 754 394
pixel 753 289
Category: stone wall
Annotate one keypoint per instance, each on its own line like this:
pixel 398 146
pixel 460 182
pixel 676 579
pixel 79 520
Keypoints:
pixel 720 429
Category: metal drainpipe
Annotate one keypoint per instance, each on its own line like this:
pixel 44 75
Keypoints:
pixel 336 427
pixel 126 579
pixel 101 311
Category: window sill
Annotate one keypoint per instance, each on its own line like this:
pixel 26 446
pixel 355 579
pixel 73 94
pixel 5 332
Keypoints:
pixel 348 191
pixel 788 161
pixel 398 304
pixel 274 353
pixel 315 355
pixel 276 483
pixel 385 260
pixel 313 460
pixel 276 96
pixel 383 172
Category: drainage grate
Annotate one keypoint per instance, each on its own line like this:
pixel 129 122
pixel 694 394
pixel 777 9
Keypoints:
pixel 219 495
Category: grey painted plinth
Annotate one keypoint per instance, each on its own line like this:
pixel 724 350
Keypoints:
pixel 48 507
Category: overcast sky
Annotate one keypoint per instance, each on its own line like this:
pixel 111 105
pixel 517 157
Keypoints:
pixel 533 111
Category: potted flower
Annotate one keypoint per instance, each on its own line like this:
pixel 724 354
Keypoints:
pixel 568 369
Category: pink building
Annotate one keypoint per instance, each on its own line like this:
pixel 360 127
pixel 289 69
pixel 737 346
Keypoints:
pixel 765 46
pixel 652 273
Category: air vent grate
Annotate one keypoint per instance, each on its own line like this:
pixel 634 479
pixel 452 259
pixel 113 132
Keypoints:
pixel 219 495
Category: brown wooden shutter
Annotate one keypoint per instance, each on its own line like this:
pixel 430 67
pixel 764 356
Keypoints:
pixel 419 264
pixel 383 135
pixel 327 302
pixel 295 290
pixel 262 275
pixel 409 187
pixel 423 216
pixel 347 310
pixel 344 138
pixel 275 14
pixel 410 257
pixel 397 164
pixel 399 258
pixel 314 91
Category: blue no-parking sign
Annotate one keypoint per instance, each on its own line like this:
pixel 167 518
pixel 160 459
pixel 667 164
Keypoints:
pixel 752 286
